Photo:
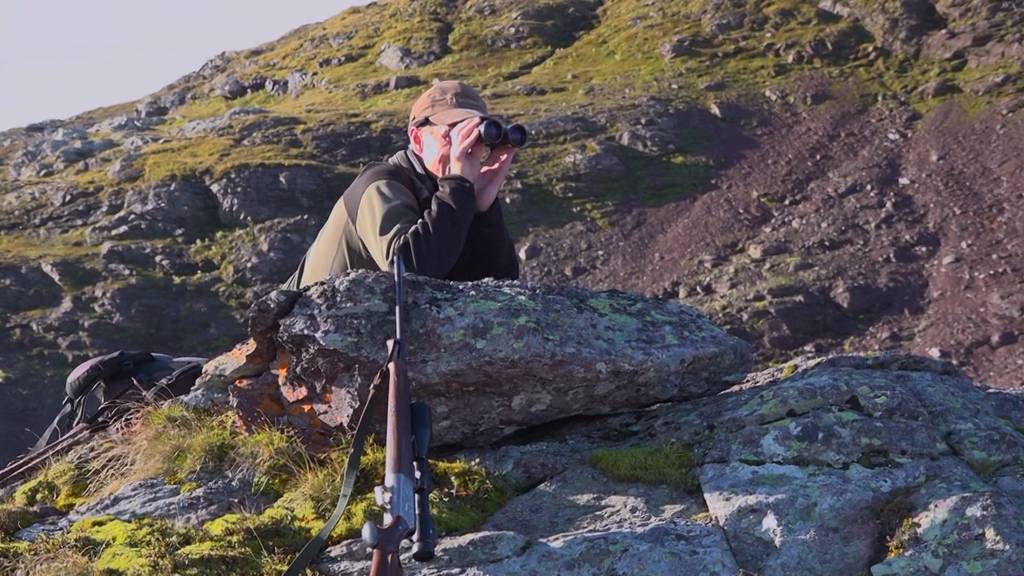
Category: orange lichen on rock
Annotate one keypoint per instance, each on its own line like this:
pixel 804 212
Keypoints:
pixel 281 366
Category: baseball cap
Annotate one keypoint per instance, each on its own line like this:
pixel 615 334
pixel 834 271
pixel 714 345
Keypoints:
pixel 447 102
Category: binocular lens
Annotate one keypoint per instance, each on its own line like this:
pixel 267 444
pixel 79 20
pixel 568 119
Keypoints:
pixel 494 134
pixel 516 134
pixel 491 131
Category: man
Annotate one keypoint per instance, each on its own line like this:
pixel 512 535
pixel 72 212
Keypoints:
pixel 434 202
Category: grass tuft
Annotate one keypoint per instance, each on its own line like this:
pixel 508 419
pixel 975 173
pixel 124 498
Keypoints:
pixel 671 465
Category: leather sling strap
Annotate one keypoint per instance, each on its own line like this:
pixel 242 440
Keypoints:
pixel 312 548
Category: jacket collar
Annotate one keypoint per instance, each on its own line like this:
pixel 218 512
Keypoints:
pixel 425 182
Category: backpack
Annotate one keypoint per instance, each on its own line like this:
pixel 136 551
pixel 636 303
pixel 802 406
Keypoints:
pixel 123 377
pixel 99 388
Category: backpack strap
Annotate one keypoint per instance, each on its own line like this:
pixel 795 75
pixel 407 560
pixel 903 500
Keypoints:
pixel 178 382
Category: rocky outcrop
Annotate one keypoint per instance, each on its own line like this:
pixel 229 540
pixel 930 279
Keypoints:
pixel 252 194
pixel 844 465
pixel 494 357
pixel 154 498
pixel 643 445
pixel 176 208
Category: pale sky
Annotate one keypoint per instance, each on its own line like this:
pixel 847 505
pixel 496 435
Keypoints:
pixel 62 57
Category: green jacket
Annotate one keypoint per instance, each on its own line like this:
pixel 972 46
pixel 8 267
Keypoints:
pixel 434 225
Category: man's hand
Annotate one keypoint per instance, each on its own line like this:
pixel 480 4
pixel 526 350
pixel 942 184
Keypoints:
pixel 492 176
pixel 466 149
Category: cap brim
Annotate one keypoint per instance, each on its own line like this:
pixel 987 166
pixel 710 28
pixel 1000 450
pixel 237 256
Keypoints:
pixel 454 115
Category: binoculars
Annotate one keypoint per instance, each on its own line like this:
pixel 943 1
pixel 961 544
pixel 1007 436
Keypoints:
pixel 493 133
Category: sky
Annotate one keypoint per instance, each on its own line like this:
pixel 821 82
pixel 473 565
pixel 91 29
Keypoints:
pixel 62 57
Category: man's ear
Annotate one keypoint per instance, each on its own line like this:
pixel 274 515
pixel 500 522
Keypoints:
pixel 416 140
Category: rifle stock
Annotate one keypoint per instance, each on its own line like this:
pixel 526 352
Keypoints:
pixel 385 564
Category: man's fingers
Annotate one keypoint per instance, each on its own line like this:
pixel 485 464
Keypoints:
pixel 468 133
pixel 467 143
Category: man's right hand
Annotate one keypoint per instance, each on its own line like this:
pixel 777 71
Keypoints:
pixel 467 150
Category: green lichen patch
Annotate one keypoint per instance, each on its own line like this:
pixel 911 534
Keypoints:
pixel 61 485
pixel 671 464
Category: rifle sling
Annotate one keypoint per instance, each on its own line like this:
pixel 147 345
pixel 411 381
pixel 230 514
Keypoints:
pixel 312 548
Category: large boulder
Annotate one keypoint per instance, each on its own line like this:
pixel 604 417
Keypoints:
pixel 492 357
pixel 27 287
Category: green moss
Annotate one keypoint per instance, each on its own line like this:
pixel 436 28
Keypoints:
pixel 9 550
pixel 61 485
pixel 464 495
pixel 671 465
pixel 276 530
pixel 702 518
pixel 104 529
pixel 213 559
pixel 125 548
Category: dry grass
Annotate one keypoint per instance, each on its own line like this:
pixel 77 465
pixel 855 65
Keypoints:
pixel 59 561
pixel 177 443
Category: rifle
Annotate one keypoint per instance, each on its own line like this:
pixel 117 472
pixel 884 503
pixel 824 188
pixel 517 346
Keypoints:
pixel 404 496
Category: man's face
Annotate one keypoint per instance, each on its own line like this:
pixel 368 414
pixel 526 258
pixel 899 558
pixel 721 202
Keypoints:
pixel 433 143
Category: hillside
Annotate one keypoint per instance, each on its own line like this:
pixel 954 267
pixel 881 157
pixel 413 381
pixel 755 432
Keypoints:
pixel 833 176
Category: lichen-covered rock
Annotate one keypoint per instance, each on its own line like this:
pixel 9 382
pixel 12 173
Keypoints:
pixel 492 357
pixel 896 461
pixel 785 519
pixel 153 498
pixel 576 523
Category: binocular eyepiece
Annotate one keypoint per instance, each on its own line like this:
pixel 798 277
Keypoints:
pixel 494 133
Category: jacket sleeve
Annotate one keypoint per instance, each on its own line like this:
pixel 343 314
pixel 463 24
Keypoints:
pixel 492 252
pixel 389 219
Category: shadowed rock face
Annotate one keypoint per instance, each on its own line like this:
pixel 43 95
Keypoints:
pixel 492 357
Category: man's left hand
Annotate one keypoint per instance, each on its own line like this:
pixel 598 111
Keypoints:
pixel 492 175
